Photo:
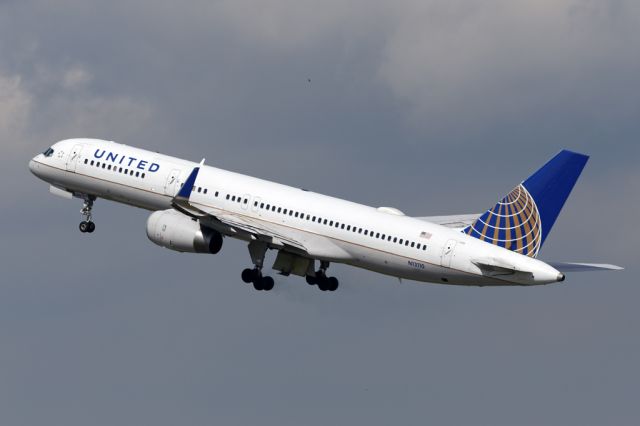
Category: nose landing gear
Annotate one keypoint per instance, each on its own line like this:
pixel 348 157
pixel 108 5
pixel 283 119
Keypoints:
pixel 87 224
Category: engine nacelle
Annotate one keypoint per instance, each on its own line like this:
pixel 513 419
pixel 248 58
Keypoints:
pixel 176 231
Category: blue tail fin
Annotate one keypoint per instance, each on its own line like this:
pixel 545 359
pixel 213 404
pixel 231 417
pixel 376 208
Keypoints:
pixel 522 220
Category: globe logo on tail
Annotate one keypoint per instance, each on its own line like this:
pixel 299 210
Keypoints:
pixel 514 223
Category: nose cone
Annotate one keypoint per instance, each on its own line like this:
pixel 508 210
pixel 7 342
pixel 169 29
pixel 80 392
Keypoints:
pixel 34 167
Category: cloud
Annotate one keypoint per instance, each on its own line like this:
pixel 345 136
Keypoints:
pixel 15 108
pixel 483 63
pixel 40 109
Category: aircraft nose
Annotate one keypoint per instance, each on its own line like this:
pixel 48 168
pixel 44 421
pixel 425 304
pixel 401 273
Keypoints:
pixel 34 166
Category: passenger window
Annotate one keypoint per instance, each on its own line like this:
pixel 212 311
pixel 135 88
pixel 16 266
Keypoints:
pixel 342 226
pixel 92 162
pixel 395 239
pixel 331 223
pixel 290 212
pixel 348 227
pixel 246 200
pixel 359 230
pixel 279 209
pixel 324 222
pixel 412 244
pixel 284 211
pixel 308 217
pixel 104 165
pixel 137 174
pixel 418 246
pixel 143 175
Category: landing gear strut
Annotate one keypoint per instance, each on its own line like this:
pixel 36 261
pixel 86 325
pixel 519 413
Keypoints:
pixel 87 224
pixel 257 250
pixel 320 279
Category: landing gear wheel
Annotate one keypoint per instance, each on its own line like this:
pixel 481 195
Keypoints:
pixel 311 280
pixel 247 275
pixel 323 284
pixel 257 284
pixel 84 226
pixel 91 227
pixel 267 283
pixel 332 283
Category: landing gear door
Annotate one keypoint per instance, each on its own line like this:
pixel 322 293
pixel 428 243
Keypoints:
pixel 448 252
pixel 171 186
pixel 74 156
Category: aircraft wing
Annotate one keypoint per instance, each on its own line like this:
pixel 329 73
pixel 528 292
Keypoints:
pixel 231 224
pixel 458 221
pixel 580 267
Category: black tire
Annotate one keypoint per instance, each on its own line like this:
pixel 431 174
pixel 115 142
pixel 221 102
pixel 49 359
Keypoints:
pixel 322 284
pixel 91 227
pixel 267 283
pixel 84 226
pixel 247 275
pixel 257 284
pixel 332 284
pixel 311 279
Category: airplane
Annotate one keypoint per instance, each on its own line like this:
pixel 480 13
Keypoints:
pixel 195 207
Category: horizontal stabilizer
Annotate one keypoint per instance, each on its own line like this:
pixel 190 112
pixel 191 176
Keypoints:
pixel 580 267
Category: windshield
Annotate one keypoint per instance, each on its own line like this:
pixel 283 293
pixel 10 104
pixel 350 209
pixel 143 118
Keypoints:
pixel 48 152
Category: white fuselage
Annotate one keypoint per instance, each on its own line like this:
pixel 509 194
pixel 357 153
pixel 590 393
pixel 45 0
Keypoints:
pixel 332 229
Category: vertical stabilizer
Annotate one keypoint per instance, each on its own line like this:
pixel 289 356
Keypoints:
pixel 522 220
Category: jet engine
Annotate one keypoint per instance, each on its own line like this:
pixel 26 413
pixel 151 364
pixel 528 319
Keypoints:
pixel 176 231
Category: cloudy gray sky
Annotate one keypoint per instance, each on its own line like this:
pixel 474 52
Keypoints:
pixel 434 107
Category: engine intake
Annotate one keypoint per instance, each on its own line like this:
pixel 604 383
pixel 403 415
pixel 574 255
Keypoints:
pixel 176 231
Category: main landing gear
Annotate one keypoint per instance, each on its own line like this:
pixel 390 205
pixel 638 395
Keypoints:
pixel 87 224
pixel 320 279
pixel 257 250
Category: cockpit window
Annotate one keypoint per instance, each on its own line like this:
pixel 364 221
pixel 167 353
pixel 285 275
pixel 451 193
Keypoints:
pixel 48 152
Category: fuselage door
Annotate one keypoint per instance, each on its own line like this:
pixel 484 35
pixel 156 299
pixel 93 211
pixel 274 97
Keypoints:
pixel 245 201
pixel 256 204
pixel 171 186
pixel 72 159
pixel 448 252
